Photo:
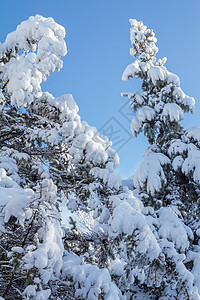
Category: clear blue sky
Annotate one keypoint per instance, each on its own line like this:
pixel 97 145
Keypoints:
pixel 98 52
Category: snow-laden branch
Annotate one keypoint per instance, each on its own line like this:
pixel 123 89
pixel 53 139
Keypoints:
pixel 42 43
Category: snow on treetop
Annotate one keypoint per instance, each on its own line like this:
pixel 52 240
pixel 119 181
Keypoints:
pixel 42 42
pixel 36 30
pixel 161 101
pixel 143 41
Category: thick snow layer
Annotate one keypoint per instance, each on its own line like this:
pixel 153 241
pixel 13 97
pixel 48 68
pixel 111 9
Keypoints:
pixel 131 70
pixel 177 147
pixel 189 102
pixel 47 258
pixel 173 229
pixel 160 73
pixel 177 162
pixel 17 201
pixel 146 113
pixel 13 201
pixel 112 179
pixel 194 257
pixel 31 291
pixel 21 203
pixel 127 220
pixel 172 112
pixel 49 190
pixel 157 73
pixel 8 162
pixel 34 30
pixel 192 164
pixel 193 134
pixel 126 196
pixel 186 277
pixel 90 281
pixel 173 78
pixel 150 174
pixel 42 42
pixel 23 79
pixel 187 155
pixel 117 267
pixel 83 141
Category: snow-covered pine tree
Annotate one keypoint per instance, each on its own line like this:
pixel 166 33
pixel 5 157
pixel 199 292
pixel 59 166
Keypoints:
pixel 168 178
pixel 159 106
pixel 47 154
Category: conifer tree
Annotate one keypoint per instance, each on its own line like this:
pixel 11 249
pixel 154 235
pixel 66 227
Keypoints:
pixel 161 103
pixel 48 157
pixel 47 154
pixel 167 177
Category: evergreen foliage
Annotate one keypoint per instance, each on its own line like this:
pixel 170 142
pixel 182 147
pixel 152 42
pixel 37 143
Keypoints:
pixel 141 243
pixel 167 179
